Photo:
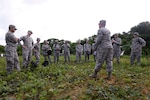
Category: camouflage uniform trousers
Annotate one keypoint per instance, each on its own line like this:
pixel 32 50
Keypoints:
pixel 27 54
pixel 12 60
pixel 78 56
pixel 87 55
pixel 46 56
pixel 104 54
pixel 116 54
pixel 94 55
pixel 135 55
pixel 37 56
pixel 56 56
pixel 67 56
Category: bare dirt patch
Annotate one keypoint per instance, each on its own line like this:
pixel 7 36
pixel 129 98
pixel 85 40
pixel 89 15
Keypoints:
pixel 73 94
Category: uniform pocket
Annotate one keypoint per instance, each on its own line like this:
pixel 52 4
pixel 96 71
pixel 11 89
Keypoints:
pixel 9 52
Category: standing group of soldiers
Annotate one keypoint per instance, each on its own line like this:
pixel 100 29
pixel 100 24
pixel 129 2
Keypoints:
pixel 104 49
pixel 86 48
pixel 28 47
pixel 107 49
pixel 12 59
pixel 47 51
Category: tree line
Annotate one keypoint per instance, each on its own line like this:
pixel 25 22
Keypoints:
pixel 143 28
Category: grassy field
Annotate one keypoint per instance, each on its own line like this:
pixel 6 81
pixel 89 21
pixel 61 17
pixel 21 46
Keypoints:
pixel 70 81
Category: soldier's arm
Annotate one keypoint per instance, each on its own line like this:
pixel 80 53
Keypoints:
pixel 13 38
pixel 81 48
pixel 43 47
pixel 38 47
pixel 93 46
pixel 84 47
pixel 60 47
pixel 142 41
pixel 120 41
pixel 48 47
pixel 16 39
pixel 21 38
pixel 90 47
pixel 77 49
pixel 98 39
pixel 68 45
pixel 54 47
pixel 117 42
pixel 35 47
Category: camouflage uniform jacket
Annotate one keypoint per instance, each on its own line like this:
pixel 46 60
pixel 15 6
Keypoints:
pixel 79 48
pixel 37 47
pixel 10 39
pixel 66 47
pixel 103 39
pixel 137 44
pixel 116 43
pixel 45 48
pixel 87 47
pixel 27 41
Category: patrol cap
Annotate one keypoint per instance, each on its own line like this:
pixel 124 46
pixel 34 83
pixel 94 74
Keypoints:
pixel 102 22
pixel 66 41
pixel 116 34
pixel 56 41
pixel 45 41
pixel 136 33
pixel 30 31
pixel 38 39
pixel 79 41
pixel 12 26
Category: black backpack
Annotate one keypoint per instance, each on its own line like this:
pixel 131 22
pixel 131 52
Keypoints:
pixel 45 63
pixel 33 65
pixel 49 52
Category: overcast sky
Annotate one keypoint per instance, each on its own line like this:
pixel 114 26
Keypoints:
pixel 70 19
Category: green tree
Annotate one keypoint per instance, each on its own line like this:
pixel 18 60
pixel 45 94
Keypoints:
pixel 126 42
pixel 2 49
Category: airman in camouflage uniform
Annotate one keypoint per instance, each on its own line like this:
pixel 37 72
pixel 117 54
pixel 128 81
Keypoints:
pixel 27 48
pixel 87 50
pixel 79 50
pixel 45 48
pixel 12 60
pixel 94 52
pixel 116 41
pixel 104 50
pixel 66 47
pixel 36 50
pixel 57 49
pixel 136 48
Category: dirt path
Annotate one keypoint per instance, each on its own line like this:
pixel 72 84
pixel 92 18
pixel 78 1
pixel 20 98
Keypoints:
pixel 73 94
